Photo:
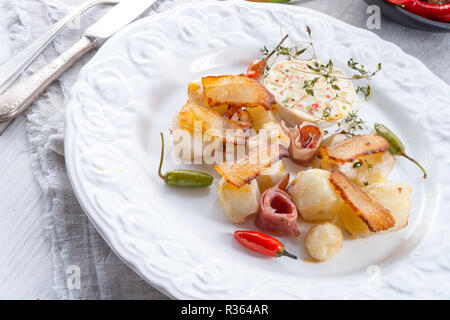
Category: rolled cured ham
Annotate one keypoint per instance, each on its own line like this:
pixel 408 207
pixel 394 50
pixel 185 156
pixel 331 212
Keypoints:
pixel 277 213
pixel 305 141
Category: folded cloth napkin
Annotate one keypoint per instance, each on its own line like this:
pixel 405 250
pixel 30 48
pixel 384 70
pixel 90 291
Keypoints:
pixel 76 245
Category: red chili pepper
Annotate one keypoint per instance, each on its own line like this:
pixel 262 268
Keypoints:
pixel 425 9
pixel 262 243
pixel 256 69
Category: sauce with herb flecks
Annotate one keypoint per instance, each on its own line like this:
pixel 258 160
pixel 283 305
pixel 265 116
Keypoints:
pixel 288 82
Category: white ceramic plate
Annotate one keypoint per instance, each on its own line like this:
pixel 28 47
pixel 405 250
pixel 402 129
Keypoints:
pixel 179 240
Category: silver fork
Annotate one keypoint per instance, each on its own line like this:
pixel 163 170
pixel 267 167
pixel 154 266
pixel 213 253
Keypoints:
pixel 10 70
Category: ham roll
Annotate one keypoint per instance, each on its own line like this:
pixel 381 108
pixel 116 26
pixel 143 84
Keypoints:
pixel 305 141
pixel 277 213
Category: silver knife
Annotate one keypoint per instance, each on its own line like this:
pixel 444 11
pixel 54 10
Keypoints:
pixel 20 96
pixel 10 70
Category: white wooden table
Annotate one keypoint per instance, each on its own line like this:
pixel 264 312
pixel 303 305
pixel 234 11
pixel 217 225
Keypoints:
pixel 25 258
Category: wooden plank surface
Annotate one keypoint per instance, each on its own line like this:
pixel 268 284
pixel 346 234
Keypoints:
pixel 25 257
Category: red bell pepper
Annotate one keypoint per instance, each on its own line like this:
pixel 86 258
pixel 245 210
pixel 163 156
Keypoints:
pixel 425 9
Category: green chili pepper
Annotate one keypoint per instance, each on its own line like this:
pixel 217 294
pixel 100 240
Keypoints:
pixel 183 178
pixel 396 145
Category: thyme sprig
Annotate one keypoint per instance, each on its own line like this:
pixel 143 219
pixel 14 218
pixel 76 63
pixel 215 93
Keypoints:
pixel 290 53
pixel 322 71
pixel 366 91
pixel 327 73
pixel 326 112
pixel 363 74
pixel 352 123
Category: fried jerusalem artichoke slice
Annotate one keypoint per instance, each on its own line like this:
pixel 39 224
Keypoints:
pixel 355 147
pixel 249 167
pixel 365 170
pixel 238 204
pixel 271 176
pixel 314 196
pixel 261 117
pixel 394 196
pixel 208 120
pixel 195 93
pixel 236 91
pixel 361 212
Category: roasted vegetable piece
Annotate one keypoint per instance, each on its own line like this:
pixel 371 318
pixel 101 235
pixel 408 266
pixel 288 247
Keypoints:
pixel 238 204
pixel 374 215
pixel 210 122
pixel 262 243
pixel 236 91
pixel 271 176
pixel 365 170
pixel 271 132
pixel 314 196
pixel 241 116
pixel 246 169
pixel 260 117
pixel 324 241
pixel 195 93
pixel 352 148
pixel 394 196
pixel 396 145
pixel 181 177
pixel 210 119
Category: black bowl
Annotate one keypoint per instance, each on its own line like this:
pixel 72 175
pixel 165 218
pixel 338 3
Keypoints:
pixel 409 19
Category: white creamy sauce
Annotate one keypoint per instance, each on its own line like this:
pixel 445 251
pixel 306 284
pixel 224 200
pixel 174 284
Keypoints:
pixel 286 82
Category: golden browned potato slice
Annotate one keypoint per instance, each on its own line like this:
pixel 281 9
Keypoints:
pixel 394 196
pixel 314 196
pixel 246 169
pixel 238 204
pixel 355 147
pixel 195 93
pixel 222 109
pixel 370 212
pixel 236 91
pixel 363 171
pixel 271 176
pixel 260 117
pixel 271 132
pixel 205 118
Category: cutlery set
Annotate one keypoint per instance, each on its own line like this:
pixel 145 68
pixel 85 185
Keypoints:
pixel 17 97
